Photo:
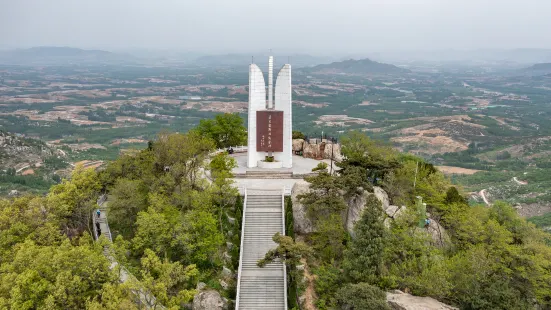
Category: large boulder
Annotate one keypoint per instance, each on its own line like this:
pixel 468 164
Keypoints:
pixel 312 151
pixel 356 205
pixel 209 300
pixel 399 300
pixel 302 223
pixel 297 144
pixel 332 150
pixel 318 150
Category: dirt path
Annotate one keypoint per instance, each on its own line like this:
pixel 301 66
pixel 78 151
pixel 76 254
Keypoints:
pixel 482 194
pixel 519 182
pixel 309 294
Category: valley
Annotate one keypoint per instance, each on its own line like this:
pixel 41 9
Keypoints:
pixel 487 127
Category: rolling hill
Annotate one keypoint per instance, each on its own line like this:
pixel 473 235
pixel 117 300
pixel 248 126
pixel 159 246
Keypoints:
pixel 538 69
pixel 362 66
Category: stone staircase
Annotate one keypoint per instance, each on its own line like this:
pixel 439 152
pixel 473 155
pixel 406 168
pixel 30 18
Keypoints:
pixel 261 288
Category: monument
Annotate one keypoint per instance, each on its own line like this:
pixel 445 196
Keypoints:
pixel 270 142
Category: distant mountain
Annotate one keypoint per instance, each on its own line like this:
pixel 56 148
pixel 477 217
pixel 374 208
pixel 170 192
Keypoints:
pixel 243 60
pixel 538 69
pixel 362 66
pixel 53 55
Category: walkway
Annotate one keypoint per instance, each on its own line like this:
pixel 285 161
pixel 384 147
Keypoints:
pixel 261 288
pixel 147 300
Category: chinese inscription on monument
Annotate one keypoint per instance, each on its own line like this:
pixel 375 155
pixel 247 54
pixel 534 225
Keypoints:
pixel 269 131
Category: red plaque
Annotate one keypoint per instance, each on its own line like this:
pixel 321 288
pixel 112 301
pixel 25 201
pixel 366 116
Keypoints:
pixel 269 131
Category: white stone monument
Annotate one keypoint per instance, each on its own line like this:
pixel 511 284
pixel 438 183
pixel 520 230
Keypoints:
pixel 270 121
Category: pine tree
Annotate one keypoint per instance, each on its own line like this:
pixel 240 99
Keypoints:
pixel 364 256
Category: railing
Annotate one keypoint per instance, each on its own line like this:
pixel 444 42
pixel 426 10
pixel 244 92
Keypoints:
pixel 96 237
pixel 283 233
pixel 240 269
pixel 236 149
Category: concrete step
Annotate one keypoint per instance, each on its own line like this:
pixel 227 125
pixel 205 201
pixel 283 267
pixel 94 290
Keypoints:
pixel 261 288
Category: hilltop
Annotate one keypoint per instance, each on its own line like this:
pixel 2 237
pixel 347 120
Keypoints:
pixel 362 66
pixel 539 69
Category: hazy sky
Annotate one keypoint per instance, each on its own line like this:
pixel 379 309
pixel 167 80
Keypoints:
pixel 322 26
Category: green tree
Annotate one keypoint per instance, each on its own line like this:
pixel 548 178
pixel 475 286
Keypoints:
pixel 73 201
pixel 127 198
pixel 225 129
pixel 298 135
pixel 363 260
pixel 324 197
pixel 375 157
pixel 361 296
pixel 202 238
pixel 114 297
pixel 287 251
pixel 166 283
pixel 54 277
pixel 182 156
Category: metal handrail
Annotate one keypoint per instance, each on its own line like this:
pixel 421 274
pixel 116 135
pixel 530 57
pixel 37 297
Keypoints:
pixel 240 269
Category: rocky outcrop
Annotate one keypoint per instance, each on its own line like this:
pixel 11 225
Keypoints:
pixel 440 238
pixel 399 300
pixel 332 150
pixel 317 151
pixel 356 205
pixel 297 145
pixel 209 300
pixel 302 224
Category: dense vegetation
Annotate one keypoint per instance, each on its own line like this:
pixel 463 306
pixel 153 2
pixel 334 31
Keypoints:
pixel 170 224
pixel 488 257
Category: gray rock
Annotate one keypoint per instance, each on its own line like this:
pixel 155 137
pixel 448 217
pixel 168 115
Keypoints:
pixel 356 205
pixel 297 145
pixel 209 300
pixel 231 220
pixel 332 150
pixel 401 301
pixel 229 245
pixel 302 224
pixel 227 257
pixel 201 286
pixel 224 284
pixel 439 235
pixel 226 272
pixel 312 151
pixel 382 196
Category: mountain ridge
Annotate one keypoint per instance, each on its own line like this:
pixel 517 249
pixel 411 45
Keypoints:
pixel 360 66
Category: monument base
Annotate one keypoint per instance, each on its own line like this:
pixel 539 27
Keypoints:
pixel 269 165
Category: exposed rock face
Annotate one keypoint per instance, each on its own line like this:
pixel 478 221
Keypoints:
pixel 333 150
pixel 356 205
pixel 317 151
pixel 297 145
pixel 209 300
pixel 302 224
pixel 399 300
pixel 312 151
pixel 440 237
